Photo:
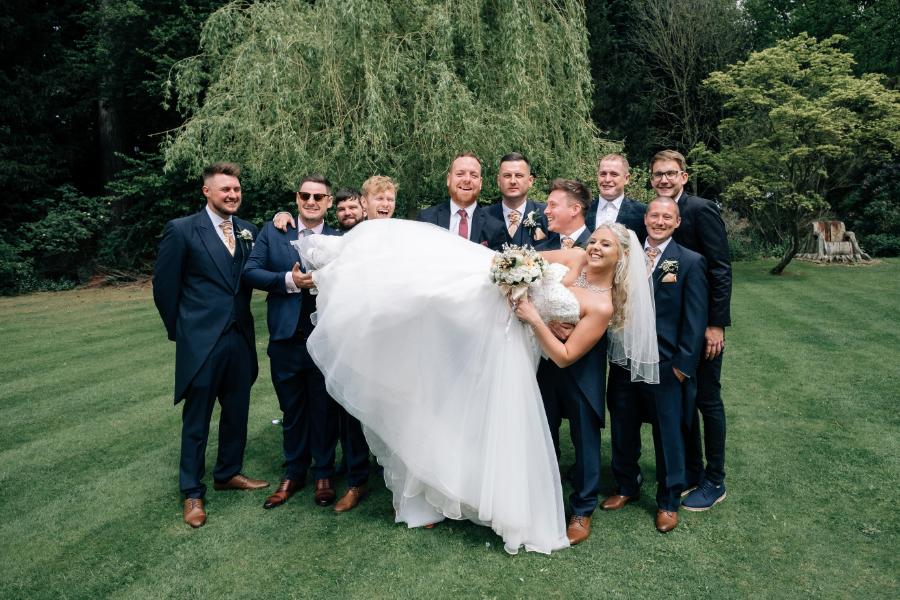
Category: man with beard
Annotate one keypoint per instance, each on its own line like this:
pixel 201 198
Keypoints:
pixel 348 208
pixel 462 215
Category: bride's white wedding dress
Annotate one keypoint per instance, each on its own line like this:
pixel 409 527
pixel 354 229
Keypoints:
pixel 417 343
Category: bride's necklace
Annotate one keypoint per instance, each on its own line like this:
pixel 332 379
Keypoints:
pixel 582 282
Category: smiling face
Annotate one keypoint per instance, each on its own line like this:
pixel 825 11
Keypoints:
pixel 349 213
pixel 514 181
pixel 603 248
pixel 223 194
pixel 667 178
pixel 563 214
pixel 312 211
pixel 381 205
pixel 612 176
pixel 464 181
pixel 661 220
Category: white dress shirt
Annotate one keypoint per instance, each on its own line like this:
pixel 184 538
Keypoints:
pixel 288 277
pixel 455 220
pixel 608 210
pixel 574 235
pixel 520 208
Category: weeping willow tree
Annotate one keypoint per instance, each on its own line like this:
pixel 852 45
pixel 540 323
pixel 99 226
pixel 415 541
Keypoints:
pixel 351 88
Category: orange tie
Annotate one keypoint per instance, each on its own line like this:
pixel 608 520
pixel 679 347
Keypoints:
pixel 652 253
pixel 513 222
pixel 228 230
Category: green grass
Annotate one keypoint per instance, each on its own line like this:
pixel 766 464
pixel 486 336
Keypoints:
pixel 89 503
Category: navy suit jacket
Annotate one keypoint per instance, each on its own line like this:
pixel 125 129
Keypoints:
pixel 631 215
pixel 483 229
pixel 272 257
pixel 524 235
pixel 702 230
pixel 554 242
pixel 198 291
pixel 681 310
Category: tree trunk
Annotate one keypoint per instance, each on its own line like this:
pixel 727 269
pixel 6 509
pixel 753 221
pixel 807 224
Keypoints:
pixel 789 253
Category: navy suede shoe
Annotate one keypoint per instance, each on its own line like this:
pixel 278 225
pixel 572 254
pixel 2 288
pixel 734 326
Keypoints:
pixel 704 497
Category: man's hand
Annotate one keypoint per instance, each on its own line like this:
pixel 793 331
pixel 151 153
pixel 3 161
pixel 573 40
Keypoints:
pixel 715 342
pixel 301 279
pixel 678 374
pixel 562 331
pixel 282 220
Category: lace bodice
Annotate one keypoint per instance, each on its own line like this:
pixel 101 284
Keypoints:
pixel 554 302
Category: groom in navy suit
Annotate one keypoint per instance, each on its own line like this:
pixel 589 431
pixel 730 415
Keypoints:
pixel 461 214
pixel 611 205
pixel 310 423
pixel 578 390
pixel 523 217
pixel 678 276
pixel 198 292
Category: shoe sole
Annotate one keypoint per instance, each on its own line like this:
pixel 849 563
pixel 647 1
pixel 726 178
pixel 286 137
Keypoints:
pixel 703 508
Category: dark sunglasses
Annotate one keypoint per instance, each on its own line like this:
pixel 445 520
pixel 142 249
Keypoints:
pixel 306 196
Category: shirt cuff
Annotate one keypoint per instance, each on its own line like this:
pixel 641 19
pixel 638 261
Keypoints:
pixel 289 285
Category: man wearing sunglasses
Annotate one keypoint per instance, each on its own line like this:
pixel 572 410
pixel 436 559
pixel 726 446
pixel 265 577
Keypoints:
pixel 310 421
pixel 703 231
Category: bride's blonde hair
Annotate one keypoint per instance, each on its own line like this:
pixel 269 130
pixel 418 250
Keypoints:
pixel 620 278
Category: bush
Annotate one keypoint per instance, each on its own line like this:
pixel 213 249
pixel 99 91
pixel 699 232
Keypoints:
pixel 881 244
pixel 742 243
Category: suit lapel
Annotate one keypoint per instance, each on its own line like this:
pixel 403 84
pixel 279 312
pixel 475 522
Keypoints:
pixel 214 246
pixel 476 224
pixel 443 216
pixel 584 237
pixel 672 252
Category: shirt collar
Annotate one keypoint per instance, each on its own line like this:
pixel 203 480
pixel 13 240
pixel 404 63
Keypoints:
pixel 575 234
pixel 520 208
pixel 617 202
pixel 216 219
pixel 317 229
pixel 454 208
pixel 661 247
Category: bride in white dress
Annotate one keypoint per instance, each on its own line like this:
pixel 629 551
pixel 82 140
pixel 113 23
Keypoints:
pixel 417 343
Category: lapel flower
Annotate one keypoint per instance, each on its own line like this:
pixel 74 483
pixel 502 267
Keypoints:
pixel 531 224
pixel 669 269
pixel 246 235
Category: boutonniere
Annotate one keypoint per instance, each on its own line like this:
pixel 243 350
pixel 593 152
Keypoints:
pixel 245 237
pixel 532 225
pixel 669 269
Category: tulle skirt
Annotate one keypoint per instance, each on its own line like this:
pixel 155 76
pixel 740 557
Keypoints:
pixel 418 344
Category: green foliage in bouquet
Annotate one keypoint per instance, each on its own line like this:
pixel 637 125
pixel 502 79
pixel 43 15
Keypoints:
pixel 352 88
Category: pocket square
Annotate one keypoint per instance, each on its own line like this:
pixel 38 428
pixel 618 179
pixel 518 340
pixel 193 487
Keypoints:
pixel 539 234
pixel 669 278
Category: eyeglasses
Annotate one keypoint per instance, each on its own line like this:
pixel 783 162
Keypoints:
pixel 306 196
pixel 670 175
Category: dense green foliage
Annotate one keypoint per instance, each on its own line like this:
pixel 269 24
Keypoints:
pixel 355 87
pixel 798 125
pixel 90 477
pixel 89 89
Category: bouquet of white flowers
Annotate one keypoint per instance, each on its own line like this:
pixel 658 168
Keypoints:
pixel 515 267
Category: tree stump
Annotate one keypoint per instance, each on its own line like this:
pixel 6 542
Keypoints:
pixel 832 243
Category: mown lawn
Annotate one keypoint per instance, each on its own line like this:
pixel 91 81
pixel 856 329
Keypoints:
pixel 89 503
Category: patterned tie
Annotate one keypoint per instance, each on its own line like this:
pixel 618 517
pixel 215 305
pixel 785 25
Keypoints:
pixel 513 222
pixel 228 230
pixel 651 253
pixel 463 223
pixel 567 242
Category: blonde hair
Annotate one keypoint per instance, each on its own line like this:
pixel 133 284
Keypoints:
pixel 620 278
pixel 377 184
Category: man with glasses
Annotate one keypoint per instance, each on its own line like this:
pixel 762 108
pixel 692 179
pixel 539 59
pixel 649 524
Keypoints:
pixel 310 422
pixel 703 231
pixel 611 205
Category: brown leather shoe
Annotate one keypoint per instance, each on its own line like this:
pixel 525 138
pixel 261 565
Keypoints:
pixel 240 482
pixel 285 490
pixel 579 529
pixel 325 493
pixel 353 497
pixel 194 515
pixel 666 521
pixel 617 501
